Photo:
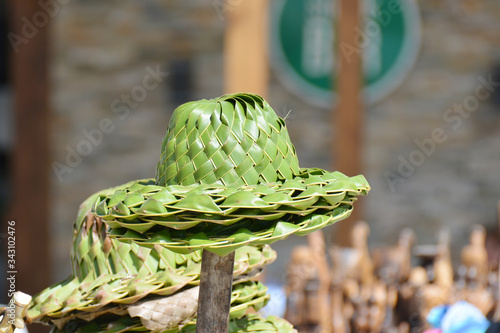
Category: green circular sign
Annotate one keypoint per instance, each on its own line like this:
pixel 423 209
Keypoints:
pixel 304 46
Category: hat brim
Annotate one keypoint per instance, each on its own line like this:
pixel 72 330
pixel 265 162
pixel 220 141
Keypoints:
pixel 218 218
pixel 251 322
pixel 245 295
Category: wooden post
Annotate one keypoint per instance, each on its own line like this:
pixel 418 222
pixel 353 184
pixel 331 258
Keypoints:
pixel 245 70
pixel 29 207
pixel 348 117
pixel 498 218
pixel 214 300
pixel 245 48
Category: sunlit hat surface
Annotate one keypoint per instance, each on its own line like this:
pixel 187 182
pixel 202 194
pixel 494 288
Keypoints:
pixel 228 179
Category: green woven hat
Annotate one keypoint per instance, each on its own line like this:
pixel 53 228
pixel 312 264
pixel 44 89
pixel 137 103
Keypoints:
pixel 228 179
pixel 110 276
pixel 228 176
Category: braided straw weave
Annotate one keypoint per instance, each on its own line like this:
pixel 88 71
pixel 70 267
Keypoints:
pixel 166 312
pixel 221 219
pixel 110 275
pixel 228 180
pixel 233 140
pixel 115 324
pixel 228 176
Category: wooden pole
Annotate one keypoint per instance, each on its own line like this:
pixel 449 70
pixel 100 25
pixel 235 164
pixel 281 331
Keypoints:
pixel 348 117
pixel 245 70
pixel 30 163
pixel 245 48
pixel 498 217
pixel 214 301
pixel 29 208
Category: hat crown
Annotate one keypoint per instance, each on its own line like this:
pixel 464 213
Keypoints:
pixel 235 139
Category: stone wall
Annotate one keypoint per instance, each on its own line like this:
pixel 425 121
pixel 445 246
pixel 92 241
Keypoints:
pixel 454 180
pixel 112 100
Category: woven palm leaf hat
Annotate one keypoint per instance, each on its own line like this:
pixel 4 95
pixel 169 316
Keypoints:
pixel 228 179
pixel 228 176
pixel 111 278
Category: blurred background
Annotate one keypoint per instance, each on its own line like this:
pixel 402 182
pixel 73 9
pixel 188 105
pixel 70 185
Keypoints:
pixel 87 89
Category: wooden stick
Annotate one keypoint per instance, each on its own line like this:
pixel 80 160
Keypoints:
pixel 245 47
pixel 214 301
pixel 245 69
pixel 348 117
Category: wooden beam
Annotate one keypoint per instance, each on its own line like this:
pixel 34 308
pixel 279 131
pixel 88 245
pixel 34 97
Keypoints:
pixel 348 117
pixel 30 161
pixel 246 61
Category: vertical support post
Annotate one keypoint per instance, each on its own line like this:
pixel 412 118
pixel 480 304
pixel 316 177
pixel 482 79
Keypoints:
pixel 498 217
pixel 245 70
pixel 214 301
pixel 348 117
pixel 245 48
pixel 29 207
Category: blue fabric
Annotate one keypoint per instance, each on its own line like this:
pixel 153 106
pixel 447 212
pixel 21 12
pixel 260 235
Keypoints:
pixel 435 316
pixel 461 317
